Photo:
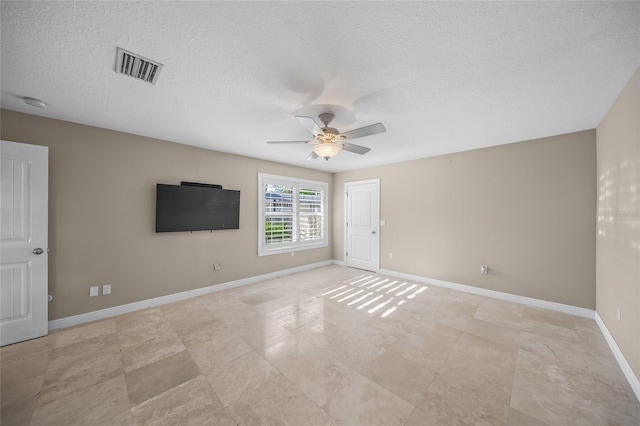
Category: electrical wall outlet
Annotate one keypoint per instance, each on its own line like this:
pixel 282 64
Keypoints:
pixel 484 269
pixel 217 266
pixel 93 291
pixel 619 314
pixel 390 255
pixel 106 289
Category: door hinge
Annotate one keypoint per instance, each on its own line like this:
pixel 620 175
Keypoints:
pixel 347 254
pixel 346 193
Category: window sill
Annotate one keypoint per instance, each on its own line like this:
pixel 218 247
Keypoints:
pixel 290 249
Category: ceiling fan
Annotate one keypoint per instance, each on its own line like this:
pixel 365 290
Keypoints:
pixel 328 141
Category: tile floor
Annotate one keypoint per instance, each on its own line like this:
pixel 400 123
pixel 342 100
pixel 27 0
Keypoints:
pixel 333 346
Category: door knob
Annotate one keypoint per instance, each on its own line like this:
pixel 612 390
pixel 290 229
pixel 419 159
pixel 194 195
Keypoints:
pixel 373 232
pixel 38 251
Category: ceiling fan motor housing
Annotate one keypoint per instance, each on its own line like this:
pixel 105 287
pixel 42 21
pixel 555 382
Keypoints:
pixel 326 118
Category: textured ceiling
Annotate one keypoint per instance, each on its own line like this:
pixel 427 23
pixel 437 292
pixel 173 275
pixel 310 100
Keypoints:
pixel 442 77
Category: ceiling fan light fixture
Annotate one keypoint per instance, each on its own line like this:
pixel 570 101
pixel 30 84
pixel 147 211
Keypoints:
pixel 327 150
pixel 35 102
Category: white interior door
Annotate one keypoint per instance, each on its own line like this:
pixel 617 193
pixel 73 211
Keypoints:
pixel 24 174
pixel 362 224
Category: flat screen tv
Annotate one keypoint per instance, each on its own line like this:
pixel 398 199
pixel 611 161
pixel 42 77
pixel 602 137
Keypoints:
pixel 196 208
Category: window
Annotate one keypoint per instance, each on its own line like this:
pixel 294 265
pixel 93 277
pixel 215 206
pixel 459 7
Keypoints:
pixel 292 214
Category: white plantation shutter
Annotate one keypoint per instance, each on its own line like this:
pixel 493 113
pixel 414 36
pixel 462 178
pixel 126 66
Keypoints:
pixel 292 214
pixel 311 214
pixel 279 213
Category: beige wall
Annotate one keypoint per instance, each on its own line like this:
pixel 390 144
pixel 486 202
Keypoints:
pixel 618 236
pixel 102 215
pixel 527 210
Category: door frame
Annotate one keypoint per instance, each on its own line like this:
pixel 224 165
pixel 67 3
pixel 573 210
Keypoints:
pixel 375 181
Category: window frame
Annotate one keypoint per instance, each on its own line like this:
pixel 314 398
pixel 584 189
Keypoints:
pixel 298 244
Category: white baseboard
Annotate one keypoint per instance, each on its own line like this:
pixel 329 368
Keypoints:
pixel 559 307
pixel 339 262
pixel 622 361
pixel 143 304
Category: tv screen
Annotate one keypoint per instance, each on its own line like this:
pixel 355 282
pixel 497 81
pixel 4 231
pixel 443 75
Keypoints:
pixel 195 208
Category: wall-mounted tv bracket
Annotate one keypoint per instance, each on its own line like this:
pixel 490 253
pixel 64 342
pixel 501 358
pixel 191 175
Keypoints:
pixel 202 185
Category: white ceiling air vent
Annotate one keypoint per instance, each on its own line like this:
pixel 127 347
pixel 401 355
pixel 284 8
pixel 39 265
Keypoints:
pixel 136 66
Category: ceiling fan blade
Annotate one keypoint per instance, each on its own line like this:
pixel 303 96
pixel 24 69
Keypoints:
pixel 373 129
pixel 310 124
pixel 312 156
pixel 287 141
pixel 355 148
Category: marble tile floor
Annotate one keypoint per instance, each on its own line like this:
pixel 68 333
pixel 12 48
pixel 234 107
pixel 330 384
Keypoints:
pixel 331 346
